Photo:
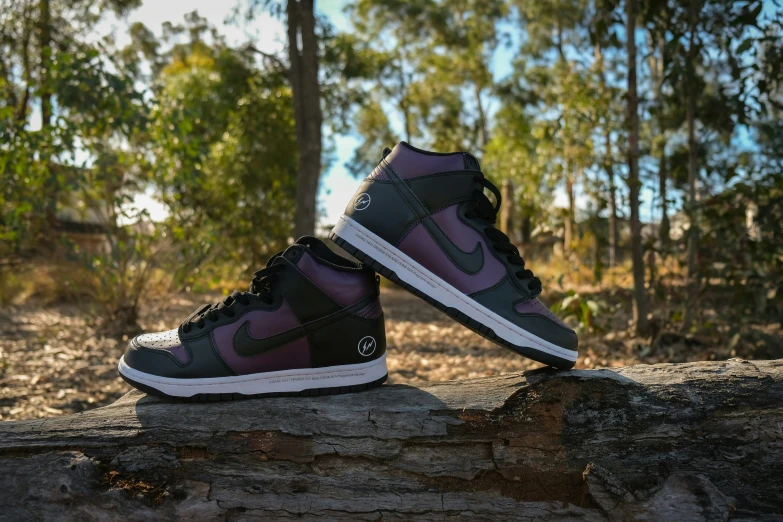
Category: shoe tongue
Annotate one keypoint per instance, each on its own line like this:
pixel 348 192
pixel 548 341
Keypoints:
pixel 408 161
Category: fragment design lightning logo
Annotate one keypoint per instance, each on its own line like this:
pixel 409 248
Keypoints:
pixel 362 201
pixel 367 346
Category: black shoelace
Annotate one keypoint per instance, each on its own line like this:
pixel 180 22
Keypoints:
pixel 484 210
pixel 261 287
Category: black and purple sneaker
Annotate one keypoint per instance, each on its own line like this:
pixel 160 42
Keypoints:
pixel 311 324
pixel 422 220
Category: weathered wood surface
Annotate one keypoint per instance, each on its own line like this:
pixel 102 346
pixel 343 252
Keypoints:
pixel 701 441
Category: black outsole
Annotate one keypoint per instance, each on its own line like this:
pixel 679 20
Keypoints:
pixel 215 397
pixel 465 320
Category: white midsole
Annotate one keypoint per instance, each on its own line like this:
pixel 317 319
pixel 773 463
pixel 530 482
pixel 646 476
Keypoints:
pixel 270 382
pixel 414 274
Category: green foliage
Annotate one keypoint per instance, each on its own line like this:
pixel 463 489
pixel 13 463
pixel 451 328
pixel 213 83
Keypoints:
pixel 514 153
pixel 211 135
pixel 208 131
pixel 580 312
pixel 425 62
pixel 224 143
pixel 95 106
pixel 742 247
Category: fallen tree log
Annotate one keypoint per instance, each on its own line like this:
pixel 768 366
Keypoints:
pixel 699 441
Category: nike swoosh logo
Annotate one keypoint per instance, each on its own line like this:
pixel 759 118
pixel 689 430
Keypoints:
pixel 247 345
pixel 470 262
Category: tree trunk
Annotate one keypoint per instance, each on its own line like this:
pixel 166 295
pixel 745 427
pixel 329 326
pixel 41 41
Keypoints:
pixel 568 236
pixel 686 442
pixel 568 233
pixel 526 229
pixel 21 112
pixel 598 267
pixel 406 120
pixel 404 104
pixel 693 170
pixel 641 322
pixel 482 120
pixel 45 45
pixel 658 68
pixel 665 230
pixel 613 231
pixel 303 76
pixel 508 204
pixel 608 163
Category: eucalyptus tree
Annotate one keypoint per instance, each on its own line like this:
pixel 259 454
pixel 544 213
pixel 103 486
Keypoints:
pixel 710 63
pixel 640 308
pixel 609 107
pixel 513 154
pixel 655 18
pixel 555 70
pixel 302 68
pixel 425 66
pixel 304 81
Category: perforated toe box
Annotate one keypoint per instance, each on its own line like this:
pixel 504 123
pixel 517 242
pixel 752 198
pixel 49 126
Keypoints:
pixel 160 353
pixel 159 340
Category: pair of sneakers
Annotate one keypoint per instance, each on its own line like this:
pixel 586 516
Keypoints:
pixel 311 322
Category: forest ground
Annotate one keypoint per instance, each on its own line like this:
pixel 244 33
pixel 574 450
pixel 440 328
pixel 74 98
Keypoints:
pixel 54 361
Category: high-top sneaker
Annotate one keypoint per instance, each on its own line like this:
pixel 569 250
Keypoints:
pixel 422 220
pixel 310 324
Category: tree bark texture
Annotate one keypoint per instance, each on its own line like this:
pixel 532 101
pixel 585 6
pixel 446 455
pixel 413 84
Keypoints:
pixel 685 442
pixel 640 320
pixel 303 76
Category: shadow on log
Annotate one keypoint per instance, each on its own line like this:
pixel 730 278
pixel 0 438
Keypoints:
pixel 673 442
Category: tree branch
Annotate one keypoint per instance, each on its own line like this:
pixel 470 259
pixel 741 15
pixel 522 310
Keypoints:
pixel 270 57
